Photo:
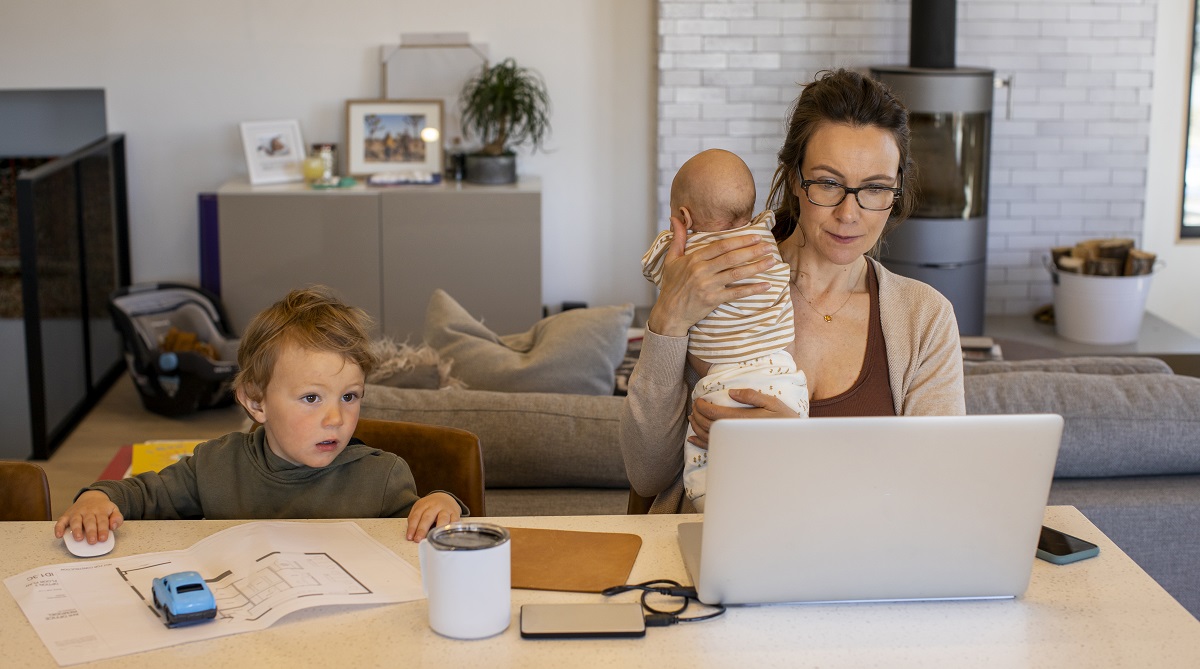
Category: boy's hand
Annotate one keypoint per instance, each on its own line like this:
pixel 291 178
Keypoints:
pixel 90 517
pixel 436 508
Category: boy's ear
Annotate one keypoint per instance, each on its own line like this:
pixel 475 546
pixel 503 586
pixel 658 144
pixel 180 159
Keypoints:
pixel 254 407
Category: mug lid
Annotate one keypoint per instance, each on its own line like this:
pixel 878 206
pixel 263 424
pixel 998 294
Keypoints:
pixel 462 536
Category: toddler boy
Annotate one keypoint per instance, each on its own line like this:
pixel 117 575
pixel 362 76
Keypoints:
pixel 303 364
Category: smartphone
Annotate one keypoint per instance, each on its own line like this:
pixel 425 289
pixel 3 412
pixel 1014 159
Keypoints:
pixel 582 621
pixel 1062 548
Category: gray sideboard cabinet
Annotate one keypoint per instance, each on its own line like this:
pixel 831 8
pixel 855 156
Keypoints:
pixel 386 250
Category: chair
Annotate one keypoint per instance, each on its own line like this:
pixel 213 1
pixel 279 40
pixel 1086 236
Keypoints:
pixel 24 492
pixel 441 458
pixel 637 504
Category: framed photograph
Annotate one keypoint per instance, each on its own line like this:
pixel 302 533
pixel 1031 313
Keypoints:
pixel 393 136
pixel 274 151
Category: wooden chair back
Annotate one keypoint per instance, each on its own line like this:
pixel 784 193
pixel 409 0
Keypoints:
pixel 637 504
pixel 441 458
pixel 24 492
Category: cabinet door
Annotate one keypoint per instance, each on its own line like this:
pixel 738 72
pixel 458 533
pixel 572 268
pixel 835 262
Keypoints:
pixel 482 245
pixel 272 243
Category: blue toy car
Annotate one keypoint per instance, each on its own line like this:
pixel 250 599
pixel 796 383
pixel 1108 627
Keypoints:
pixel 184 598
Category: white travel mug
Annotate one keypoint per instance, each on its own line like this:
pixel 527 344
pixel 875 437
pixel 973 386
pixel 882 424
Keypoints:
pixel 465 570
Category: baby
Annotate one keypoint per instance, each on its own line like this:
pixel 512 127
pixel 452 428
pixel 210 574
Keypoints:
pixel 741 344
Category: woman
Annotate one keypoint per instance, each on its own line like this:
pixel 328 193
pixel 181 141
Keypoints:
pixel 871 342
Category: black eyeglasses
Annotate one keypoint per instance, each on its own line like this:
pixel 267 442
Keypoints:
pixel 827 193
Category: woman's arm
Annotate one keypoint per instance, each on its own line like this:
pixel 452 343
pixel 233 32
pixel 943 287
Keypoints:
pixel 923 349
pixel 653 423
pixel 936 384
pixel 653 416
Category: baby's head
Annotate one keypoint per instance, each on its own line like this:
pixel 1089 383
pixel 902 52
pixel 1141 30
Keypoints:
pixel 304 362
pixel 713 190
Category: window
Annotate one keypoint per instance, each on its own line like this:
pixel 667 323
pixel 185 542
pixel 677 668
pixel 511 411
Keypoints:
pixel 1191 172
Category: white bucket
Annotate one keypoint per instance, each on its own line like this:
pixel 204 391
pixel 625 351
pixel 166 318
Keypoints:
pixel 1099 309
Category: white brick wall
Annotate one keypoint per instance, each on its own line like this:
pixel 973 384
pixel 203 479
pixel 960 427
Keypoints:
pixel 1070 164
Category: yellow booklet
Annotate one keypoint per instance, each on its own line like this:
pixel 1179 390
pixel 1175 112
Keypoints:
pixel 152 456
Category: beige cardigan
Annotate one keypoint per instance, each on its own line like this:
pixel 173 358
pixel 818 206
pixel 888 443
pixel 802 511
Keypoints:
pixel 924 366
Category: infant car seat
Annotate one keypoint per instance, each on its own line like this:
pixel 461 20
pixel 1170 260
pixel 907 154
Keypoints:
pixel 179 348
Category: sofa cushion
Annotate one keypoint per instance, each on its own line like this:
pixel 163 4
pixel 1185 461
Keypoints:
pixel 528 439
pixel 1115 425
pixel 1079 365
pixel 574 352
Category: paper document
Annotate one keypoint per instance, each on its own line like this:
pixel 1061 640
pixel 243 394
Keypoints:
pixel 259 572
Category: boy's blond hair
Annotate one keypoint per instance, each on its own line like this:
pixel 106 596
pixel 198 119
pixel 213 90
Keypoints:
pixel 312 318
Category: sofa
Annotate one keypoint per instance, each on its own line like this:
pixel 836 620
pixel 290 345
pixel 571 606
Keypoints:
pixel 542 404
pixel 1129 459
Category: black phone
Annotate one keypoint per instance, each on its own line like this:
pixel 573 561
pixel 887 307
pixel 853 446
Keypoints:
pixel 1062 548
pixel 582 621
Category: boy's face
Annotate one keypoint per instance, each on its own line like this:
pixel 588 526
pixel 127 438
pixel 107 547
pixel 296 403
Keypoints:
pixel 310 407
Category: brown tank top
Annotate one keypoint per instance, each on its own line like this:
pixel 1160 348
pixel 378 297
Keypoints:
pixel 871 394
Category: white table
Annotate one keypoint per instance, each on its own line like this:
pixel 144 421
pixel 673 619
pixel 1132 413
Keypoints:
pixel 1100 612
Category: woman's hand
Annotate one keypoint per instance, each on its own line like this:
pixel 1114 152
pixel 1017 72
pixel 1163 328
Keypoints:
pixel 695 284
pixel 759 405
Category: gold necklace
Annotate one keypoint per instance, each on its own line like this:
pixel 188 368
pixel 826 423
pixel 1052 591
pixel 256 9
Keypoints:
pixel 829 316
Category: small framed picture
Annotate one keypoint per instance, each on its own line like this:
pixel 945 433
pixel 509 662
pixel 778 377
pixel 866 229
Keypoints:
pixel 393 136
pixel 274 151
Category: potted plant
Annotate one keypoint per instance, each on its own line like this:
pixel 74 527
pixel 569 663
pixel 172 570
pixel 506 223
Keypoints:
pixel 505 106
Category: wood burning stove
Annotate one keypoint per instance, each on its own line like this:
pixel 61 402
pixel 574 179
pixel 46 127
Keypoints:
pixel 944 243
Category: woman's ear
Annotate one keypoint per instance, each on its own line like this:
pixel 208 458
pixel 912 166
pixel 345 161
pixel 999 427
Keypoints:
pixel 250 397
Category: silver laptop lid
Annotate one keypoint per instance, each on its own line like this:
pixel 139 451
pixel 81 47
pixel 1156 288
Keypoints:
pixel 874 508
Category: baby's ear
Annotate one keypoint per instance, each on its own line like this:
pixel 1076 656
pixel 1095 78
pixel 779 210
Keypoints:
pixel 686 217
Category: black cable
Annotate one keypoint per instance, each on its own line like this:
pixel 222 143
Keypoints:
pixel 656 617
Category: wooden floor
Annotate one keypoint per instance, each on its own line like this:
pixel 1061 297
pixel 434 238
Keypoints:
pixel 117 419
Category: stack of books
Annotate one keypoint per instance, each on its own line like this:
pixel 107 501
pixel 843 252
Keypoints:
pixel 980 349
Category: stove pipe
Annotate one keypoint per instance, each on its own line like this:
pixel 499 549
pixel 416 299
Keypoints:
pixel 931 33
pixel 944 242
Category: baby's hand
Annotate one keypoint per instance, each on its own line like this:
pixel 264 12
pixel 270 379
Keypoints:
pixel 436 508
pixel 90 517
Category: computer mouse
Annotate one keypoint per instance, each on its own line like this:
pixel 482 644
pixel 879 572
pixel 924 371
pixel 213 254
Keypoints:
pixel 84 549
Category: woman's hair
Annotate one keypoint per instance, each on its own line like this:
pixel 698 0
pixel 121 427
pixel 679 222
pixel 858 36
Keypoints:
pixel 849 98
pixel 311 318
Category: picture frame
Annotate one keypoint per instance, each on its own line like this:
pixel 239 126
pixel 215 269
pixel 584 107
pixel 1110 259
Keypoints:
pixel 393 136
pixel 274 150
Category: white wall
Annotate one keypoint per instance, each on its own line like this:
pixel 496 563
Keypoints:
pixel 1173 295
pixel 181 76
pixel 1070 164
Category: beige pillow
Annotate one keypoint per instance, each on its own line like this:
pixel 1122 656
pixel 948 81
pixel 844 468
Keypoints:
pixel 575 352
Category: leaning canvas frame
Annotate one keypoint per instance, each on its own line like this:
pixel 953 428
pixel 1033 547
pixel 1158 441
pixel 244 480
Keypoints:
pixel 274 151
pixel 393 136
pixel 431 66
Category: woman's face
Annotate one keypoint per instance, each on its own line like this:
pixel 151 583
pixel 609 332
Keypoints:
pixel 854 157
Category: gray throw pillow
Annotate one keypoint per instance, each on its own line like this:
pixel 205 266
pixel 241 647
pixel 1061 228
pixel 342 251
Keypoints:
pixel 574 352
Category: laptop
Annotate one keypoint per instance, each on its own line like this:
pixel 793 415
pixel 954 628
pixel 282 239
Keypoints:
pixel 871 508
